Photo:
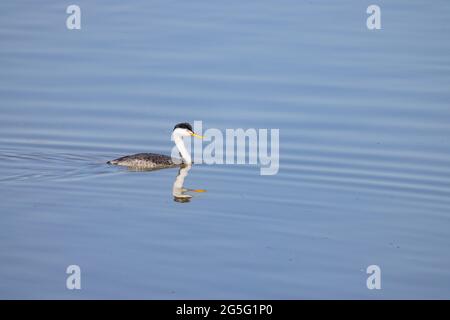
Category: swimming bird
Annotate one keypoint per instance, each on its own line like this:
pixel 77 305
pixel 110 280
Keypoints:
pixel 153 161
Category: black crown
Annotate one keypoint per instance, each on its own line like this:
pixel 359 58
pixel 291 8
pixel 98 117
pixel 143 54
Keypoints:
pixel 183 125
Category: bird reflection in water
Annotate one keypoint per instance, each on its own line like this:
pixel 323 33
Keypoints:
pixel 178 191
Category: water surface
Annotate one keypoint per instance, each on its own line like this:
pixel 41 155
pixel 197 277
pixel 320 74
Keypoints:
pixel 364 149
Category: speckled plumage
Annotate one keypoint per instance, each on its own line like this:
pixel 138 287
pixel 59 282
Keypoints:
pixel 145 161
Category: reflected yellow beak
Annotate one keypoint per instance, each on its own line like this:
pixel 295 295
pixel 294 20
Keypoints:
pixel 196 135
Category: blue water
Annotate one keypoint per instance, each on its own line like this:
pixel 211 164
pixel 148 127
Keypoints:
pixel 364 175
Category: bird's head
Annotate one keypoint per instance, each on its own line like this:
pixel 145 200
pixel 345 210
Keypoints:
pixel 184 130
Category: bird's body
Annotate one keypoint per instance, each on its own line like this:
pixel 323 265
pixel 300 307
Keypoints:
pixel 154 161
pixel 146 161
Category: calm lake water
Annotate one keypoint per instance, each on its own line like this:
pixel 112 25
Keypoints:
pixel 364 174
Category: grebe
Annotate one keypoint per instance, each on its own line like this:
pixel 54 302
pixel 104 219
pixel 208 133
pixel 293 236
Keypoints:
pixel 150 161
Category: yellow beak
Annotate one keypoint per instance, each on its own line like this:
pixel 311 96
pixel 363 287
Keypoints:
pixel 196 135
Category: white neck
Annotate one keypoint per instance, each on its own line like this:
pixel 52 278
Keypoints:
pixel 182 149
